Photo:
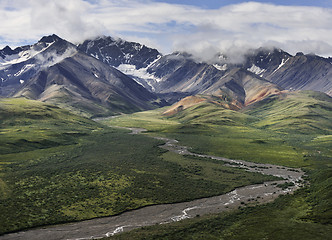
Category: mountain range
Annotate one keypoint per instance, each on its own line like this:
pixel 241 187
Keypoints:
pixel 55 71
pixel 61 166
pixel 107 76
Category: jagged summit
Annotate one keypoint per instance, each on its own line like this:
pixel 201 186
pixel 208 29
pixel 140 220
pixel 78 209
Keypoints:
pixel 19 65
pixel 50 39
pixel 44 41
pixel 6 51
pixel 265 71
pixel 299 72
pixel 182 72
pixel 54 70
pixel 264 58
pixel 117 51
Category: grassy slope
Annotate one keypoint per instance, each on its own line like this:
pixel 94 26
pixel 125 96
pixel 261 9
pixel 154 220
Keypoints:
pixel 57 167
pixel 305 112
pixel 260 133
pixel 27 125
pixel 293 130
pixel 207 128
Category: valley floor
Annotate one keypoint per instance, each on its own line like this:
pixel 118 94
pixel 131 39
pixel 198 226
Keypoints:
pixel 57 168
pixel 167 213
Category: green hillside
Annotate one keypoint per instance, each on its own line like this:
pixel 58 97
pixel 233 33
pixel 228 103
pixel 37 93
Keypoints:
pixel 27 125
pixel 280 129
pixel 290 129
pixel 57 167
pixel 299 112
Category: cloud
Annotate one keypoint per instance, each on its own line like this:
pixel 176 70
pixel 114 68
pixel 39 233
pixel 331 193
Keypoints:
pixel 28 20
pixel 64 17
pixel 231 29
pixel 235 29
pixel 51 58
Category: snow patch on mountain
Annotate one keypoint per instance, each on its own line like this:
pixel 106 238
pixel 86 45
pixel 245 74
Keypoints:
pixel 22 56
pixel 90 45
pixel 220 67
pixel 255 69
pixel 140 73
pixel 283 61
pixel 94 55
pixel 24 69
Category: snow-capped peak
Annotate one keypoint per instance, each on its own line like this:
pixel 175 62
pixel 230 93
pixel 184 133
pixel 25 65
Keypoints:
pixel 23 55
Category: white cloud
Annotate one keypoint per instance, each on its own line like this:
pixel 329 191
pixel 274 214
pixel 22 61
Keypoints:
pixel 28 20
pixel 232 29
pixel 236 28
pixel 52 58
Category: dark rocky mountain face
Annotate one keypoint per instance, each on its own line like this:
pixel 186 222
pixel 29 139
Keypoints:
pixel 54 70
pixel 300 72
pixel 117 51
pixel 7 51
pixel 179 74
pixel 263 60
pixel 89 87
pixel 22 63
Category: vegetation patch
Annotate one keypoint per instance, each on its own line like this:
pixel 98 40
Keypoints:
pixel 283 219
pixel 292 130
pixel 63 168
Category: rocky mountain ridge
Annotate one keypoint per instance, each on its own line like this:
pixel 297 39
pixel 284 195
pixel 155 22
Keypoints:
pixel 118 51
pixel 180 72
pixel 22 63
pixel 299 72
pixel 55 71
pixel 84 77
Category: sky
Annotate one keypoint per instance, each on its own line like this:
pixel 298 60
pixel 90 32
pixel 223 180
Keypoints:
pixel 200 27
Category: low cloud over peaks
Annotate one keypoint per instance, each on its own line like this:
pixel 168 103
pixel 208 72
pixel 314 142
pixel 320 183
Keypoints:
pixel 236 28
pixel 24 20
pixel 66 18
pixel 231 29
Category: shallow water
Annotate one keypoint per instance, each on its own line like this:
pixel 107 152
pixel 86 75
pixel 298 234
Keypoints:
pixel 166 213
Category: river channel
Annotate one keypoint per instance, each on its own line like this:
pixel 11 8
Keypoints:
pixel 166 213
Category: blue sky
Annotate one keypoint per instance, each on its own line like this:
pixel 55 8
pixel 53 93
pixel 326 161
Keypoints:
pixel 200 27
pixel 215 4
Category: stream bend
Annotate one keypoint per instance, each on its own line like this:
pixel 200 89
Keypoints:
pixel 166 213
